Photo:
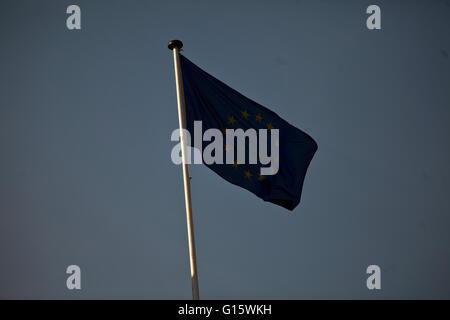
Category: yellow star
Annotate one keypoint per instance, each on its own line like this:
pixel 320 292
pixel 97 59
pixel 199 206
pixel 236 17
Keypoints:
pixel 235 164
pixel 248 174
pixel 231 120
pixel 244 114
pixel 269 126
pixel 258 117
pixel 260 177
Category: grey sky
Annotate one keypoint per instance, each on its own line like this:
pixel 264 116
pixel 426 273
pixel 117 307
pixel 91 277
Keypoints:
pixel 85 170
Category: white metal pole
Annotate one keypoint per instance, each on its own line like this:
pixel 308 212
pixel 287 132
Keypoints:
pixel 175 46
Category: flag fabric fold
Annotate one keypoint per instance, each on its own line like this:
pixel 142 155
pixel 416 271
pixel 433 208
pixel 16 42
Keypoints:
pixel 218 106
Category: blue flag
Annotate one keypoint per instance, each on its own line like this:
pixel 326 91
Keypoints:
pixel 220 107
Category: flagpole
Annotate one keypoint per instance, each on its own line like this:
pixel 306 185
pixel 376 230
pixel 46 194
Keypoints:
pixel 175 46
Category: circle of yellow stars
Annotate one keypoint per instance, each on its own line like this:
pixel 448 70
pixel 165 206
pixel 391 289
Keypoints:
pixel 258 118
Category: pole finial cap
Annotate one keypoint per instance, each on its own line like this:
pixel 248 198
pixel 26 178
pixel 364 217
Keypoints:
pixel 175 44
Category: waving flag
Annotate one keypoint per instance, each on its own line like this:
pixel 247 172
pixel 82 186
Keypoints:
pixel 220 107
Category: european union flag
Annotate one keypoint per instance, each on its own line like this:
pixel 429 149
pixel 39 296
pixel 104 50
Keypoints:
pixel 219 106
